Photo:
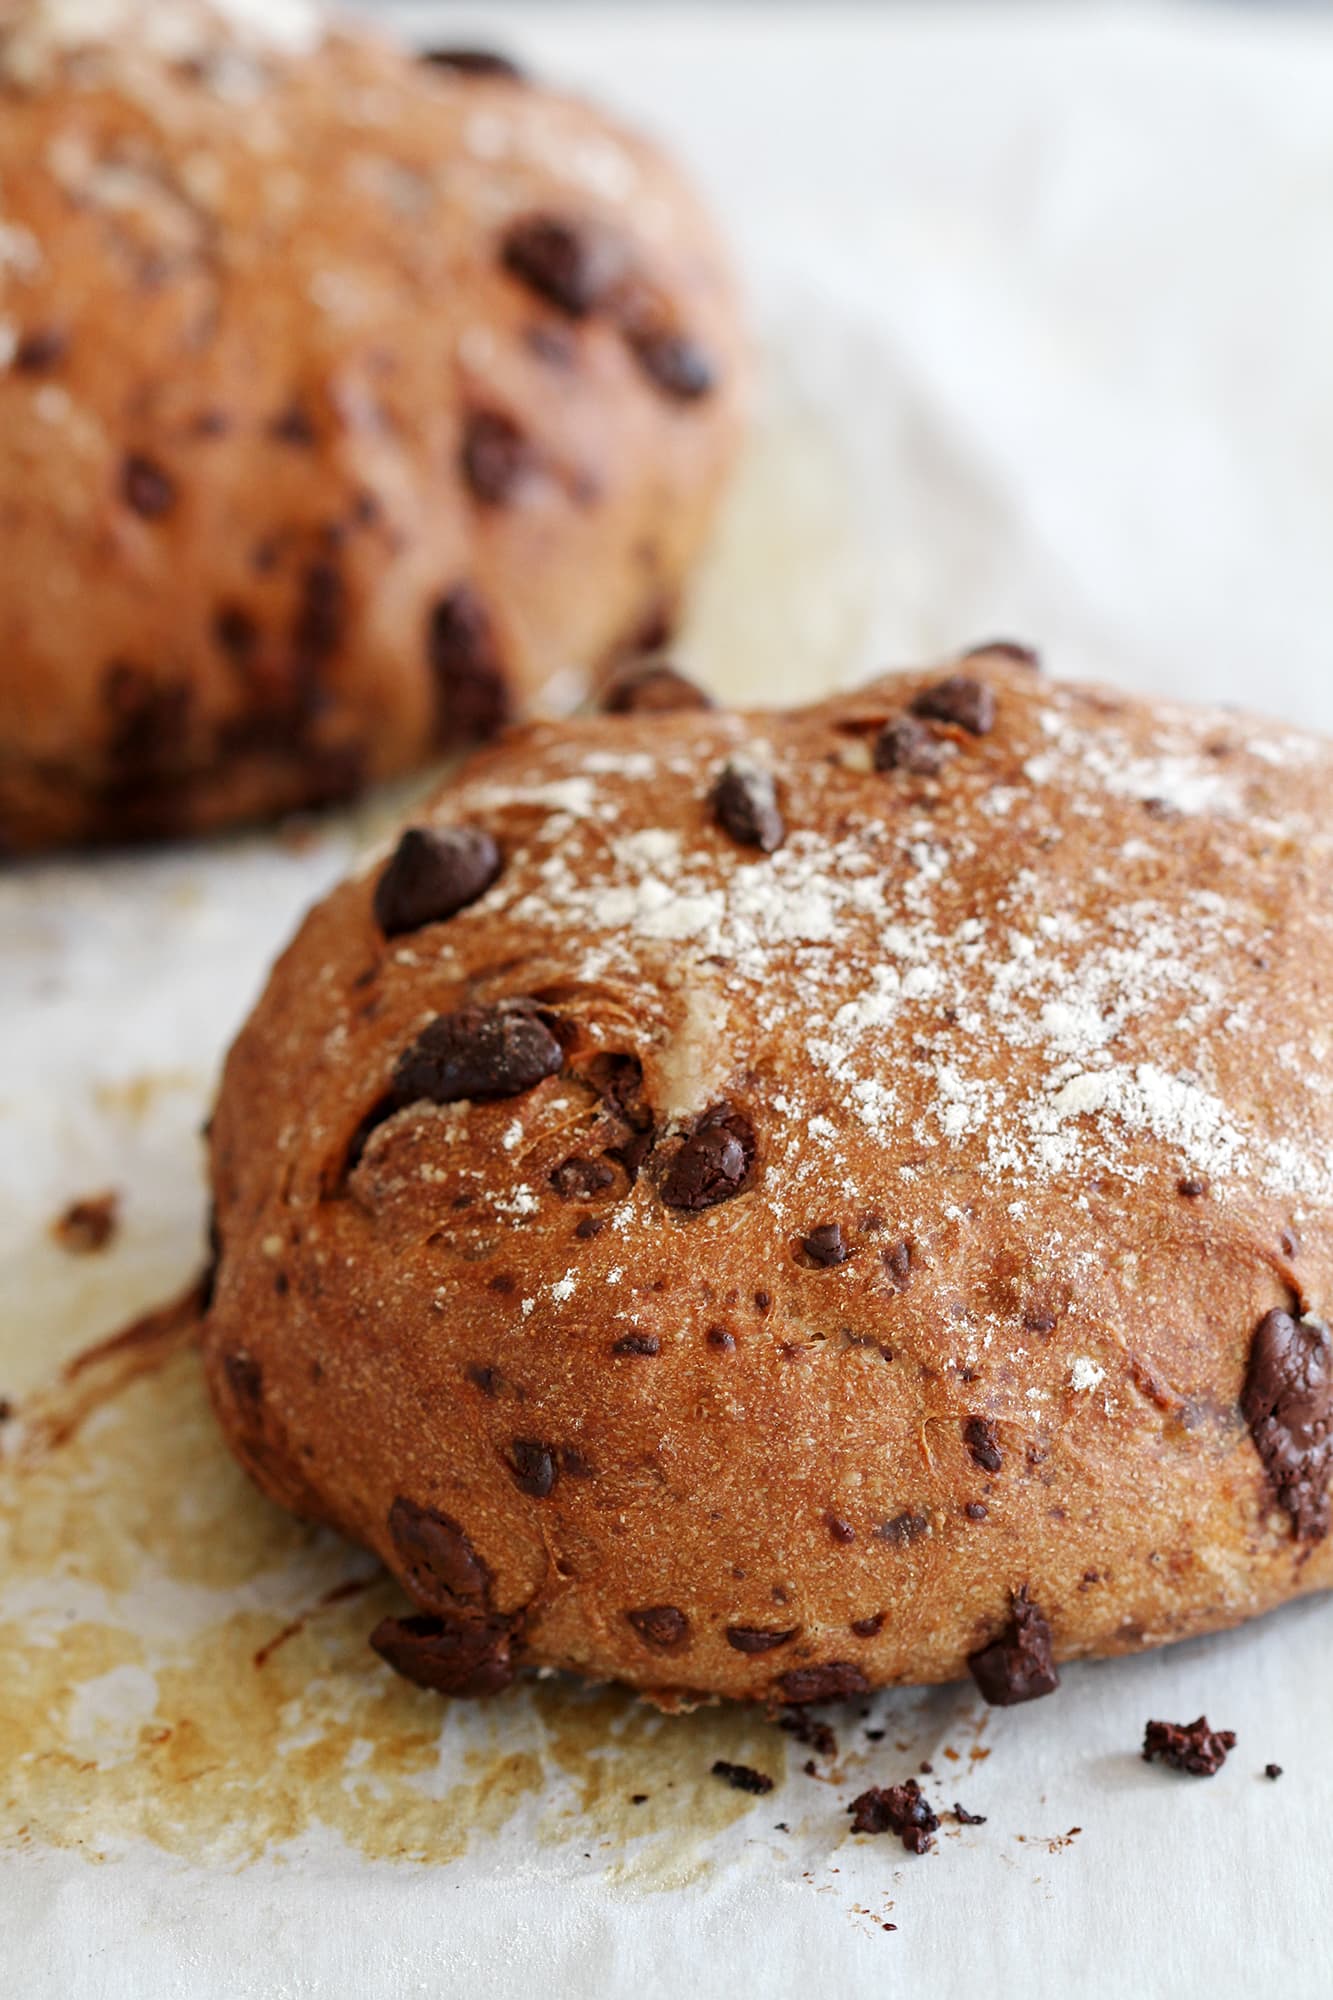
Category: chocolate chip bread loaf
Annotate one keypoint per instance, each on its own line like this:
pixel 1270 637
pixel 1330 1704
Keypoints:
pixel 772 1205
pixel 348 403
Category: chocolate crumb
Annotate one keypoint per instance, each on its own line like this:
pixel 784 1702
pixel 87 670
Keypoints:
pixel 982 1443
pixel 639 1798
pixel 1273 1771
pixel 1019 1664
pixel 652 688
pixel 741 1778
pixel 146 487
pixel 1188 1746
pixel 965 1818
pixel 824 1246
pixel 745 805
pixel 900 1809
pixel 434 872
pixel 967 704
pixel 818 1735
pixel 88 1224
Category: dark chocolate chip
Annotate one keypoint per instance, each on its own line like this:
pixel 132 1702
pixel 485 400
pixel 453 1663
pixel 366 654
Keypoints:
pixel 1188 1746
pixel 824 1246
pixel 637 1343
pixel 496 457
pixel 900 1809
pixel 907 745
pixel 245 1378
pixel 440 1566
pixel 651 688
pixel 741 1778
pixel 976 1510
pixel 965 1818
pixel 1288 1404
pixel 44 347
pixel 674 363
pixel 1191 1188
pixel 1272 1771
pixel 965 703
pixel 718 1336
pixel 1019 1664
pixel 572 267
pixel 474 62
pixel 589 1226
pixel 836 1680
pixel 464 657
pixel 532 1466
pixel 661 1626
pixel 904 1529
pixel 434 872
pixel 745 805
pixel 757 1639
pixel 868 1628
pixel 479 1052
pixel 713 1162
pixel 146 487
pixel 982 1443
pixel 1007 649
pixel 897 1261
pixel 841 1531
pixel 579 1179
pixel 451 1654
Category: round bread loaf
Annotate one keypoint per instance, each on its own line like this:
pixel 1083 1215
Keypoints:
pixel 348 403
pixel 777 1204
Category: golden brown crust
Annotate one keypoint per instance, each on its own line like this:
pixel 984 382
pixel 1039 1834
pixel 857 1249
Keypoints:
pixel 1008 1088
pixel 304 471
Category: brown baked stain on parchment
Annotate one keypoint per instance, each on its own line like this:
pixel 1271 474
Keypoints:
pixel 182 1663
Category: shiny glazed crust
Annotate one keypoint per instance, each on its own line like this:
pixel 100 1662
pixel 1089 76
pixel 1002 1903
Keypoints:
pixel 348 403
pixel 938 1167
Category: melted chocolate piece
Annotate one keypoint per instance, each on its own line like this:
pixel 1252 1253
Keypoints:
pixel 904 1529
pixel 579 1179
pixel 434 872
pixel 1288 1404
pixel 146 487
pixel 496 457
pixel 982 1444
pixel 571 267
pixel 836 1680
pixel 1188 1746
pixel 661 1626
pixel 868 1628
pixel 824 1246
pixel 754 1639
pixel 741 1777
pixel 713 1163
pixel 652 688
pixel 907 745
pixel 452 1654
pixel 745 805
pixel 441 1568
pixel 478 1052
pixel 533 1467
pixel 1019 1665
pixel 901 1809
pixel 965 703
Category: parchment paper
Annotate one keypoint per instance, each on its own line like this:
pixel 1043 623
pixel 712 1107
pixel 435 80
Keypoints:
pixel 1046 306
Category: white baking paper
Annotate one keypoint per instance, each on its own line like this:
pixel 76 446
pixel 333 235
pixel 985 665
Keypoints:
pixel 1045 300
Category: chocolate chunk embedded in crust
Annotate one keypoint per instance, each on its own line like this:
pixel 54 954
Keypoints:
pixel 439 1564
pixel 452 1654
pixel 433 872
pixel 651 688
pixel 968 704
pixel 1019 1664
pixel 566 262
pixel 661 1626
pixel 1288 1404
pixel 745 803
pixel 472 691
pixel 836 1680
pixel 475 62
pixel 480 1052
pixel 712 1164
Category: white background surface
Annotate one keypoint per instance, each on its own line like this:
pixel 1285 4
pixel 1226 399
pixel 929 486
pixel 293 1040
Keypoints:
pixel 1046 301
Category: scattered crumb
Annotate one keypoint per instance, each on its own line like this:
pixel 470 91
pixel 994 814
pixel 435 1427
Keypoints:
pixel 88 1224
pixel 902 1809
pixel 965 1818
pixel 1188 1746
pixel 741 1778
pixel 1272 1771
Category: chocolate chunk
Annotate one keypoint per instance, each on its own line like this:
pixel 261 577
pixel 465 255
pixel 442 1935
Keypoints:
pixel 674 363
pixel 756 1639
pixel 474 62
pixel 713 1163
pixel 637 1343
pixel 245 1377
pixel 464 658
pixel 479 1052
pixel 1288 1404
pixel 651 688
pixel 719 1337
pixel 1007 649
pixel 901 1809
pixel 319 621
pixel 236 633
pixel 589 1226
pixel 741 1778
pixel 88 1224
pixel 904 1528
pixel 661 1626
pixel 976 1510
pixel 982 1444
pixel 868 1628
pixel 1192 1188
pixel 841 1531
pixel 836 1680
pixel 146 487
pixel 745 805
pixel 579 1179
pixel 806 1729
pixel 496 457
pixel 42 348
pixel 434 872
pixel 1188 1746
pixel 1019 1665
pixel 824 1246
pixel 897 1261
pixel 573 268
pixel 452 1654
pixel 1273 1771
pixel 966 703
pixel 442 1569
pixel 965 1818
pixel 532 1466
pixel 907 745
